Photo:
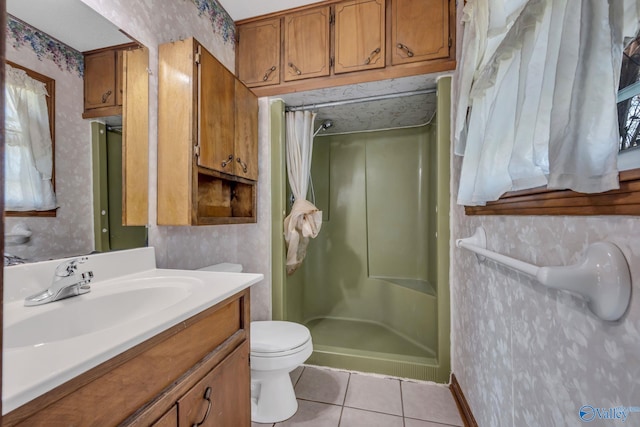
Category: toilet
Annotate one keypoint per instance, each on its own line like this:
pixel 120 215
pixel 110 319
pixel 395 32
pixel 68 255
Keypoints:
pixel 277 348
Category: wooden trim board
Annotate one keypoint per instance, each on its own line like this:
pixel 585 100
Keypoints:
pixel 461 402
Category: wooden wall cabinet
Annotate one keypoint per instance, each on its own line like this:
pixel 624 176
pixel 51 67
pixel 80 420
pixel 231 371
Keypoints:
pixel 342 42
pixel 103 81
pixel 306 44
pixel 258 54
pixel 359 41
pixel 419 30
pixel 207 140
pixel 161 382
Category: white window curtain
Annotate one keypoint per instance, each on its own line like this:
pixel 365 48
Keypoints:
pixel 28 148
pixel 536 95
pixel 305 220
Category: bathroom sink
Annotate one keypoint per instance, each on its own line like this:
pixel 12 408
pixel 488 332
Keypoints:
pixel 70 318
pixel 130 302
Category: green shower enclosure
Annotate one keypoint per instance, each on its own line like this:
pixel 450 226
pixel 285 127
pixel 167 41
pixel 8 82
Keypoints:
pixel 373 289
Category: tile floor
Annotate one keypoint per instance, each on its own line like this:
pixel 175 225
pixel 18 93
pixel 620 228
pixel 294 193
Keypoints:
pixel 330 398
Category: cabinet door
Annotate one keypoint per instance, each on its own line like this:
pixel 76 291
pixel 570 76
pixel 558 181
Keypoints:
pixel 169 419
pixel 135 138
pixel 306 44
pixel 216 114
pixel 419 30
pixel 222 397
pixel 359 35
pixel 259 53
pixel 246 149
pixel 100 80
pixel 119 70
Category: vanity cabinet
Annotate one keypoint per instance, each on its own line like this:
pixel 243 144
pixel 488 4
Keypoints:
pixel 207 140
pixel 419 30
pixel 103 81
pixel 359 35
pixel 258 58
pixel 222 397
pixel 161 381
pixel 306 44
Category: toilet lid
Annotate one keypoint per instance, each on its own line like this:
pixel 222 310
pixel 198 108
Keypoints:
pixel 277 336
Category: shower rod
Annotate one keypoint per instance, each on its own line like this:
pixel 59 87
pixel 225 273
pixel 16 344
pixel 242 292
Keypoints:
pixel 358 100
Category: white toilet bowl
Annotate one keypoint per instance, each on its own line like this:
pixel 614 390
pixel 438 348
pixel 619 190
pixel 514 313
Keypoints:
pixel 277 348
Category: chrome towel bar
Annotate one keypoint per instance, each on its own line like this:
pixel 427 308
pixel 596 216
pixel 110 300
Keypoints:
pixel 602 278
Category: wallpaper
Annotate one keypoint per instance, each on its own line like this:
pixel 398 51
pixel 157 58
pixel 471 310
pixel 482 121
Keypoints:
pixel 71 231
pixel 66 58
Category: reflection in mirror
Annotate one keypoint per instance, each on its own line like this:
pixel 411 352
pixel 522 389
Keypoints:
pixel 629 96
pixel 49 38
pixel 30 142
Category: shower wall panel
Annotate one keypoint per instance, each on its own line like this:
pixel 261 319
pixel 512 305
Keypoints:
pixel 370 262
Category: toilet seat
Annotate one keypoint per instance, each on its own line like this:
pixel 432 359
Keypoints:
pixel 278 338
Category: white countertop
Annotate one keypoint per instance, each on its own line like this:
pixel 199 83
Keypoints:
pixel 33 368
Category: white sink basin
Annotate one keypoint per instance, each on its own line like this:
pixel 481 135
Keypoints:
pixel 130 302
pixel 92 312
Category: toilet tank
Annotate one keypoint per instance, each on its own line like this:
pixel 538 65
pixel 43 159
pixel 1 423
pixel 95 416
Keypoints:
pixel 225 266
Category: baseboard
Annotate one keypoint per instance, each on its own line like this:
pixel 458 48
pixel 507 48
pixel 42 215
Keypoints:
pixel 463 405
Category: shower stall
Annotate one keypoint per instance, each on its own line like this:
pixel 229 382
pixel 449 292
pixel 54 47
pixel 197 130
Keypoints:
pixel 373 288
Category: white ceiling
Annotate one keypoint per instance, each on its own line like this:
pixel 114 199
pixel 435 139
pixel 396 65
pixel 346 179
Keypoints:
pixel 70 21
pixel 243 9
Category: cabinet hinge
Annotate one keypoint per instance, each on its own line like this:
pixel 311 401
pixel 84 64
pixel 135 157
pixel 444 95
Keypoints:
pixel 196 151
pixel 197 58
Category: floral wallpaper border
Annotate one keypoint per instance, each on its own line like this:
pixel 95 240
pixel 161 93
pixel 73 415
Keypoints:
pixel 44 46
pixel 220 20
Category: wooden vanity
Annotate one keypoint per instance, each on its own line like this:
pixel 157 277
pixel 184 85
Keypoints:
pixel 168 380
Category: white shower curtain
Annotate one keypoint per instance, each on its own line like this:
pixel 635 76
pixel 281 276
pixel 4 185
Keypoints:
pixel 305 219
pixel 536 95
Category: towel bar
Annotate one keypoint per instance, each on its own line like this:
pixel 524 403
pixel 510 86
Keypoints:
pixel 602 278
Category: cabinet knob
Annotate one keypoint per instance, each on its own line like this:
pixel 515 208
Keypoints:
pixel 268 73
pixel 207 397
pixel 295 69
pixel 105 96
pixel 226 162
pixel 371 55
pixel 243 165
pixel 405 48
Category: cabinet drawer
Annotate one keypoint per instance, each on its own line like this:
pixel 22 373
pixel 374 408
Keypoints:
pixel 222 397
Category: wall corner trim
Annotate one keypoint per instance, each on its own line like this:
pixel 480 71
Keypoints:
pixel 461 402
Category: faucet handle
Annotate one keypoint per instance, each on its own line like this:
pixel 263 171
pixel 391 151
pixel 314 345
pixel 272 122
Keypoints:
pixel 68 268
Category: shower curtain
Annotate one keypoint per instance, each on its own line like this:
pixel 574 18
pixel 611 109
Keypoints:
pixel 305 219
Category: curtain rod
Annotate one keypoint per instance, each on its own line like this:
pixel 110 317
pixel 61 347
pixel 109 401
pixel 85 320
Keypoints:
pixel 357 100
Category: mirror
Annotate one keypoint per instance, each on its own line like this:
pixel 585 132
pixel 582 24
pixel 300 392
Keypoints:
pixel 49 36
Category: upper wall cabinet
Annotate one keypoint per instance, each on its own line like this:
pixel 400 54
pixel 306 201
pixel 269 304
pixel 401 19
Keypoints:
pixel 207 140
pixel 359 35
pixel 341 42
pixel 306 44
pixel 103 81
pixel 259 53
pixel 419 30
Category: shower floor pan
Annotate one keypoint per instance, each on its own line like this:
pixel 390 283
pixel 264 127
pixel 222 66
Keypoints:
pixel 369 347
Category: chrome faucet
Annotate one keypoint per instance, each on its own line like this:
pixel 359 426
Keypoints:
pixel 66 283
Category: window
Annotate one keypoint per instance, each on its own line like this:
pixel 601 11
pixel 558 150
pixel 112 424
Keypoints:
pixel 29 147
pixel 629 97
pixel 625 200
